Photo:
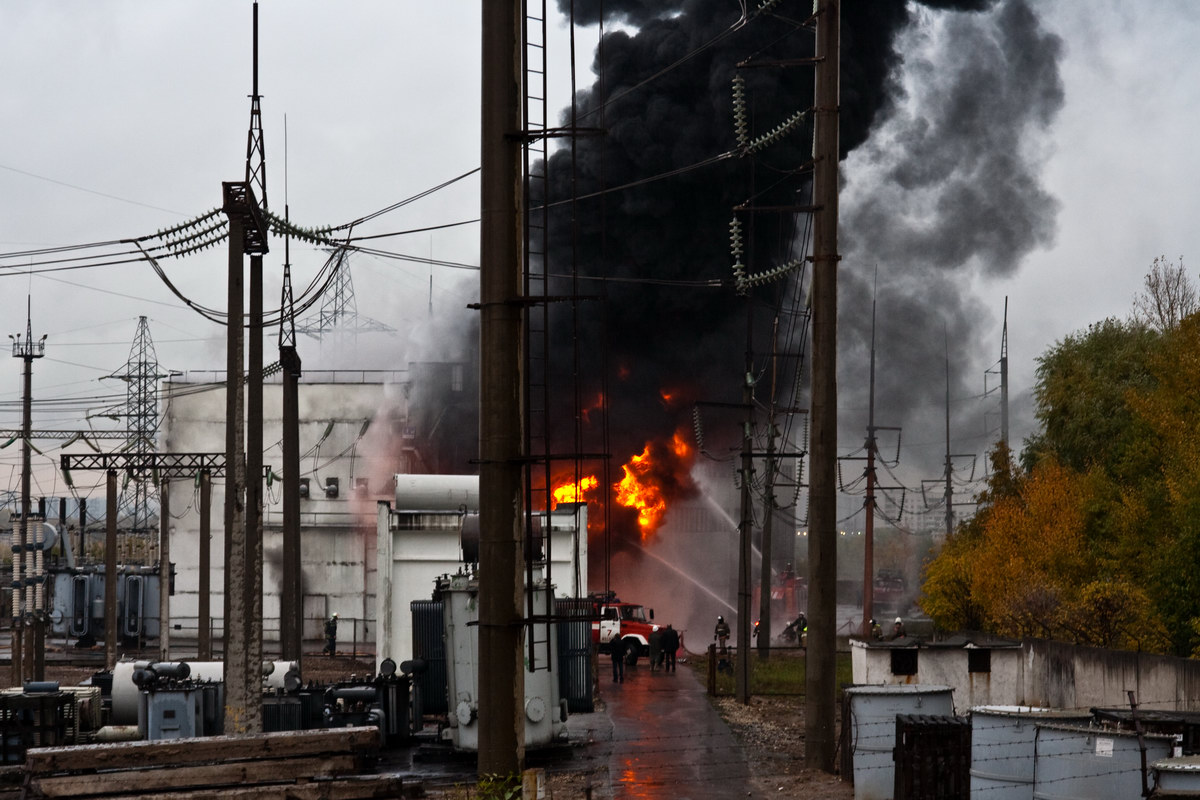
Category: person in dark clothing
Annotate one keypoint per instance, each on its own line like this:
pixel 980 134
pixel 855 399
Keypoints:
pixel 670 643
pixel 655 649
pixel 331 635
pixel 721 633
pixel 617 649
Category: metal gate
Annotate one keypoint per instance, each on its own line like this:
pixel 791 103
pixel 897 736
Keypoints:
pixel 575 654
pixel 933 757
pixel 430 647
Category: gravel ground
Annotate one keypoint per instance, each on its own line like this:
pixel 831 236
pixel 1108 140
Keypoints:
pixel 771 731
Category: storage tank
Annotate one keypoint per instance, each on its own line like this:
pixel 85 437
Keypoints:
pixel 437 492
pixel 873 711
pixel 1097 763
pixel 1002 747
pixel 1178 777
pixel 545 715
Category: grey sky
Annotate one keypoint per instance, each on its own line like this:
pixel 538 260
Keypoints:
pixel 124 117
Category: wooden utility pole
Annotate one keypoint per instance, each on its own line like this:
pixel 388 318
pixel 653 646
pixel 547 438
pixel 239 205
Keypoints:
pixel 501 676
pixel 820 683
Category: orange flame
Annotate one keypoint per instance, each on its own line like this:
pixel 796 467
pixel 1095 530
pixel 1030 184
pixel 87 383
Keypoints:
pixel 574 492
pixel 649 480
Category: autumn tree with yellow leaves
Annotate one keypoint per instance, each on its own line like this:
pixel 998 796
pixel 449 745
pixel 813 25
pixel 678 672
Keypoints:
pixel 1095 537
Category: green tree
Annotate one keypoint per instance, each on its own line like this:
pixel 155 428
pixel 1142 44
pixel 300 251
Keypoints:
pixel 1081 395
pixel 1170 408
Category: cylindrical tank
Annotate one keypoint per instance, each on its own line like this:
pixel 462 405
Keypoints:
pixel 1002 747
pixel 125 690
pixel 873 711
pixel 1097 763
pixel 1178 776
pixel 545 718
pixel 437 492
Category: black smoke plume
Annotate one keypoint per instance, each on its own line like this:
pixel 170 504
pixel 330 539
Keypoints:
pixel 949 194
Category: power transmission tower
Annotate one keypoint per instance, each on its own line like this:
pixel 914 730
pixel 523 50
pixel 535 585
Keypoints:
pixel 140 410
pixel 339 309
pixel 869 504
pixel 1001 369
pixel 28 621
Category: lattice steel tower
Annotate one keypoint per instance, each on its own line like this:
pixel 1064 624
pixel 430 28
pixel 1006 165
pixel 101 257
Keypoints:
pixel 339 310
pixel 140 409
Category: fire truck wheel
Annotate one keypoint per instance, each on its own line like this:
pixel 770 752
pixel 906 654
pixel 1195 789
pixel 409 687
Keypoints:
pixel 633 650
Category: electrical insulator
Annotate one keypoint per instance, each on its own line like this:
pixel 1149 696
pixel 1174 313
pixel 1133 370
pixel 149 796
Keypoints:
pixel 739 110
pixel 777 133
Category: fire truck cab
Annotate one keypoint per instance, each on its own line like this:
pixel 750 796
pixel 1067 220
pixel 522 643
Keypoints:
pixel 630 621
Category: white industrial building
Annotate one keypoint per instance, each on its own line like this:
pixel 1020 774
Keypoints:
pixel 355 434
pixel 433 529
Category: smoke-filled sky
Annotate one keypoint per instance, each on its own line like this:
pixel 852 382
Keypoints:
pixel 1035 151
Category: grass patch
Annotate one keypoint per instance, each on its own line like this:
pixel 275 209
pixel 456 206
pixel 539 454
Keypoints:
pixel 781 674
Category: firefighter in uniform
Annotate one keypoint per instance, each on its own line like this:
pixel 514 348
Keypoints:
pixel 331 634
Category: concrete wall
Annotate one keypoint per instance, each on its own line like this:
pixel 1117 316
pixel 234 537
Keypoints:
pixel 1044 674
pixel 348 431
pixel 1072 676
pixel 937 666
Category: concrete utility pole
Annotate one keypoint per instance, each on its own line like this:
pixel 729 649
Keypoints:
pixel 28 622
pixel 1004 378
pixel 164 571
pixel 502 682
pixel 820 683
pixel 110 570
pixel 204 601
pixel 291 601
pixel 948 475
pixel 243 540
pixel 237 695
pixel 742 668
pixel 764 592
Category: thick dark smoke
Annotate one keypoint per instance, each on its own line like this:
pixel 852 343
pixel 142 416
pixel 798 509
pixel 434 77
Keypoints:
pixel 943 107
pixel 945 189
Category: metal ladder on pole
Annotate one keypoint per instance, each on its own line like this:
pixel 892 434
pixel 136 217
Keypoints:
pixel 538 430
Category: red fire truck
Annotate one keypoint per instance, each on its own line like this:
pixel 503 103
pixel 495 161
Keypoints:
pixel 632 622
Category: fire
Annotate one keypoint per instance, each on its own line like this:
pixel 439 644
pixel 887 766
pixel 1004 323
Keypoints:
pixel 651 481
pixel 653 478
pixel 574 492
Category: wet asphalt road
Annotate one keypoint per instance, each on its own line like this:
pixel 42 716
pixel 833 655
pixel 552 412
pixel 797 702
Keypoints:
pixel 657 736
